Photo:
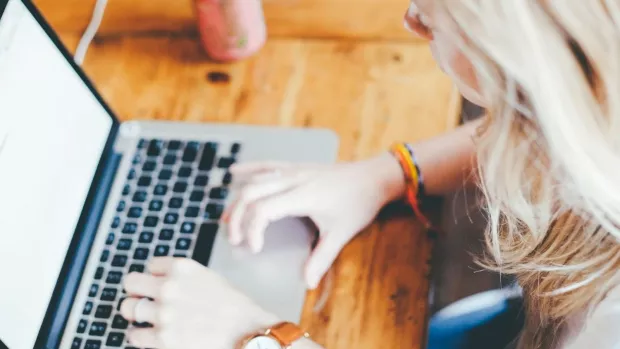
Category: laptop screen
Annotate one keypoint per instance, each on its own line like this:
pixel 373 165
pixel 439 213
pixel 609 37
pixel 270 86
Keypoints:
pixel 52 135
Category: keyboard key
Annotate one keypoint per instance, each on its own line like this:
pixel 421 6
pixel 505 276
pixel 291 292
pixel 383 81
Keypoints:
pixel 144 181
pixel 161 251
pixel 119 260
pixel 191 151
pixel 175 202
pixel 151 221
pixel 82 325
pixel 145 237
pixel 77 343
pixel 207 159
pixel 160 189
pixel 170 159
pixel 225 162
pixel 166 234
pixel 156 205
pixel 108 294
pixel 192 211
pixel 136 159
pixel 92 344
pixel 174 145
pixel 99 273
pixel 103 311
pixel 180 187
pixel 126 189
pixel 141 324
pixel 93 290
pixel 213 211
pixel 134 212
pixel 218 193
pixel 137 268
pixel 183 244
pixel 227 178
pixel 235 148
pixel 120 302
pixel 110 239
pixel 204 242
pixel 171 218
pixel 155 147
pixel 115 222
pixel 97 328
pixel 119 322
pixel 180 255
pixel 142 143
pixel 141 253
pixel 132 174
pixel 187 227
pixel 121 206
pixel 165 174
pixel 124 244
pixel 115 339
pixel 139 196
pixel 105 255
pixel 197 195
pixel 149 166
pixel 114 277
pixel 201 181
pixel 185 172
pixel 130 228
pixel 88 308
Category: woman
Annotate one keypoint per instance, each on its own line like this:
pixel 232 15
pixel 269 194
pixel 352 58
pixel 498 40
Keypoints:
pixel 547 155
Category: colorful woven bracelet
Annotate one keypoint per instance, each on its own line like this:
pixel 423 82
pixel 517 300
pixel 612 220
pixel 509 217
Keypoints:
pixel 413 178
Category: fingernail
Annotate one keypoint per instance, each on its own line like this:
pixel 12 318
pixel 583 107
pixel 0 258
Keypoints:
pixel 313 284
pixel 412 12
pixel 255 248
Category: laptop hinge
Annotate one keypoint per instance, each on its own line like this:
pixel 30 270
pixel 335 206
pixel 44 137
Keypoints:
pixel 59 310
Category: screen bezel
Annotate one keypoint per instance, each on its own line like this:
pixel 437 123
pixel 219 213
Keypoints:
pixel 84 232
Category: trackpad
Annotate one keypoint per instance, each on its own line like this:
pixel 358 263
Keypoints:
pixel 274 277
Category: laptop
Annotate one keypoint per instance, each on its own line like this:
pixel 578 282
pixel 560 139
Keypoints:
pixel 85 199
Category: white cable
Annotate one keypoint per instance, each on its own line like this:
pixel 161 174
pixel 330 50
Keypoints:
pixel 90 31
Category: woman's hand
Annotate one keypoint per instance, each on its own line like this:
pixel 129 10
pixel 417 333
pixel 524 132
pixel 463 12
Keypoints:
pixel 192 308
pixel 340 199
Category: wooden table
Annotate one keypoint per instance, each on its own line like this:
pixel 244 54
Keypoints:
pixel 339 64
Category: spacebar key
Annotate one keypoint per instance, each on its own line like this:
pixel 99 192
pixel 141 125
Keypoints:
pixel 204 243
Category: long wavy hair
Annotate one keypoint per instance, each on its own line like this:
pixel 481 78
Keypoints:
pixel 549 151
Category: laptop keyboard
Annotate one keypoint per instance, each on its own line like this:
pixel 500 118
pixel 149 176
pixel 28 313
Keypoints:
pixel 171 203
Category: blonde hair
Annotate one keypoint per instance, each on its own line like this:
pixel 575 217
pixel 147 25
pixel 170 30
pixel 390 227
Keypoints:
pixel 548 154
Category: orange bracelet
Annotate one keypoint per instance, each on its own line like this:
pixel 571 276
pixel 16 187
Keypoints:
pixel 412 179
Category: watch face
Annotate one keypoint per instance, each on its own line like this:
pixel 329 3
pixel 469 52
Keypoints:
pixel 263 342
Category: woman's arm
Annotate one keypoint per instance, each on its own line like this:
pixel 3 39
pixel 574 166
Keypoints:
pixel 446 162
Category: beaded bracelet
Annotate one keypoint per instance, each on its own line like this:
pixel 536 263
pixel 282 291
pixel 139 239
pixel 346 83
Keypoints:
pixel 415 184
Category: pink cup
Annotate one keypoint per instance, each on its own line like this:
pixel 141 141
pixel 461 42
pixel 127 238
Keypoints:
pixel 231 29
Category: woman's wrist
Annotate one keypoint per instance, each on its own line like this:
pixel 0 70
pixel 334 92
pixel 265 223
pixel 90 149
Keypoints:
pixel 388 174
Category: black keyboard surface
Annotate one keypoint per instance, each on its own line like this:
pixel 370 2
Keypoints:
pixel 171 204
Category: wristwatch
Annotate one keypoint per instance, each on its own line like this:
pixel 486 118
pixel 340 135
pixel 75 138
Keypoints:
pixel 280 336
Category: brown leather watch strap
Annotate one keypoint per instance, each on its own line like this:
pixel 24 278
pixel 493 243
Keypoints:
pixel 286 333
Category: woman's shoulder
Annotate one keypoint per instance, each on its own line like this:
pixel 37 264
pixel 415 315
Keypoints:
pixel 598 328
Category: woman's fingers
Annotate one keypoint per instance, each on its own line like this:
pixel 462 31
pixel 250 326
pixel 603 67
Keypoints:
pixel 140 310
pixel 269 209
pixel 144 338
pixel 323 256
pixel 143 285
pixel 234 216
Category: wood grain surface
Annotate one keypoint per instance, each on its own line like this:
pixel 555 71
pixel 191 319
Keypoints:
pixel 357 19
pixel 371 92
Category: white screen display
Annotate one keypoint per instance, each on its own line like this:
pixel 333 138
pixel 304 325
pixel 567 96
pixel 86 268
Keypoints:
pixel 52 134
